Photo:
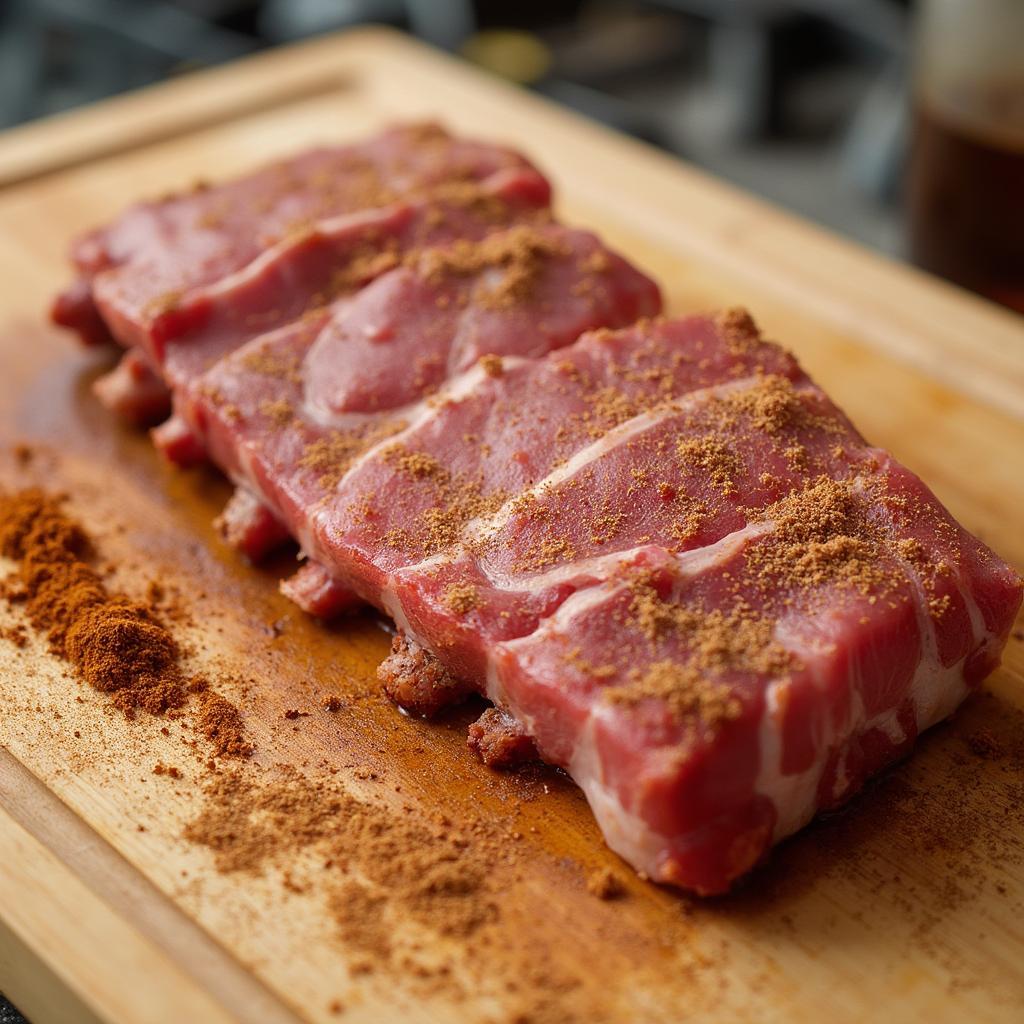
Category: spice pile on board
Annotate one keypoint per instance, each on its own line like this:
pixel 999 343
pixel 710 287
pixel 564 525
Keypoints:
pixel 116 645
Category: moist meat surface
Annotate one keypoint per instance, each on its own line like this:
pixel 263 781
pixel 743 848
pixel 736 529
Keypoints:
pixel 656 545
pixel 158 254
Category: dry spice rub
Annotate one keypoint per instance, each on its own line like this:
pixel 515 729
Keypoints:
pixel 116 645
pixel 517 255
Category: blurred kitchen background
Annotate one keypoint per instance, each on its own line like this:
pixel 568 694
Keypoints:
pixel 799 100
pixel 802 101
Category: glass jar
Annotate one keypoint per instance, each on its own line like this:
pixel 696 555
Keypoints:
pixel 966 169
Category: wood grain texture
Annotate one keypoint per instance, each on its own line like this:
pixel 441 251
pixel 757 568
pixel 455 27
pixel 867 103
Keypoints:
pixel 910 903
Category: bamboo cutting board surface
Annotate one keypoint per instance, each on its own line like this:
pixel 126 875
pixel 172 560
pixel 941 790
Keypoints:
pixel 907 905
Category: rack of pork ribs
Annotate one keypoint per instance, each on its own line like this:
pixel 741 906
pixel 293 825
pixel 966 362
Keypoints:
pixel 671 563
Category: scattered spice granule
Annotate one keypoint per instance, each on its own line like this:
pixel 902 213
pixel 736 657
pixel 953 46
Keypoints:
pixel 718 641
pixel 163 303
pixel 359 915
pixel 457 500
pixel 821 535
pixel 221 723
pixel 715 458
pixel 292 713
pixel 605 884
pixel 544 553
pixel 684 688
pixel 519 254
pixel 419 465
pixel 331 456
pixel 739 330
pixel 461 597
pixel 279 411
pixel 15 634
pixel 332 703
pixel 162 769
pixel 250 822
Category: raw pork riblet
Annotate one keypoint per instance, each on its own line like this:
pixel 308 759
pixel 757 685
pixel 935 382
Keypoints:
pixel 719 610
pixel 290 413
pixel 663 551
pixel 302 278
pixel 325 260
pixel 158 252
pixel 748 684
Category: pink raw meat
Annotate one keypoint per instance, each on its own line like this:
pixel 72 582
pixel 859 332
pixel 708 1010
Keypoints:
pixel 667 558
pixel 158 252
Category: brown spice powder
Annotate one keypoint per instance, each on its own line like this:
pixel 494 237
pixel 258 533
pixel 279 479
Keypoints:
pixel 461 597
pixel 118 650
pixel 492 365
pixel 279 411
pixel 332 455
pixel 712 455
pixel 457 499
pixel 688 692
pixel 117 646
pixel 221 723
pixel 520 253
pixel 429 872
pixel 605 884
pixel 718 643
pixel 739 330
pixel 820 536
pixel 388 877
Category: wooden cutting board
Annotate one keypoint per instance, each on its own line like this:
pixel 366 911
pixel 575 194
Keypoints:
pixel 909 905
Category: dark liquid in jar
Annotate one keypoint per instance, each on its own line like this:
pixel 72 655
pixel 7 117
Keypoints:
pixel 966 193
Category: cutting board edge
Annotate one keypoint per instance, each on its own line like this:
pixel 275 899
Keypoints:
pixel 53 860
